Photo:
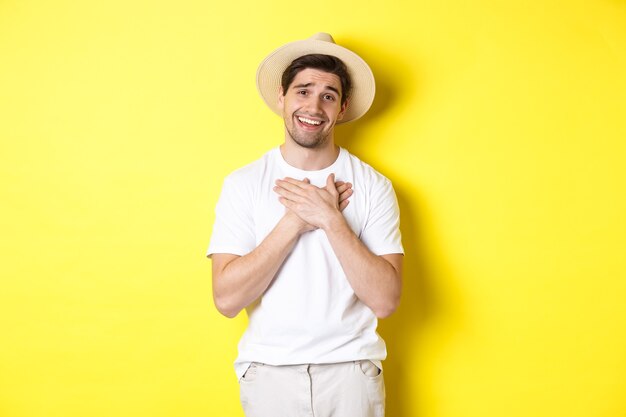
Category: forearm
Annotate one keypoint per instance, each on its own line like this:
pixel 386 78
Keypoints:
pixel 239 280
pixel 375 281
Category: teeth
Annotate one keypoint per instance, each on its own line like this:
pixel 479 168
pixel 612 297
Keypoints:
pixel 309 121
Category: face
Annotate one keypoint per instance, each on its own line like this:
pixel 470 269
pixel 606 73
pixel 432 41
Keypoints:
pixel 311 107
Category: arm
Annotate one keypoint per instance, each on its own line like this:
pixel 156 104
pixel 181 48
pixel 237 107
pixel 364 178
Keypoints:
pixel 239 280
pixel 376 280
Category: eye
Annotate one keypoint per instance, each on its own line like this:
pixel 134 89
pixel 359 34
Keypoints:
pixel 329 97
pixel 302 92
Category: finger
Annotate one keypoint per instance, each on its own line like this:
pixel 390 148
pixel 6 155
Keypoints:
pixel 287 194
pixel 345 195
pixel 343 204
pixel 339 183
pixel 291 205
pixel 306 183
pixel 343 187
pixel 296 188
pixel 330 184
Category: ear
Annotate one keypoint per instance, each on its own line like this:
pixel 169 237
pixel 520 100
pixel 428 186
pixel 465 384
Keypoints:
pixel 344 107
pixel 281 98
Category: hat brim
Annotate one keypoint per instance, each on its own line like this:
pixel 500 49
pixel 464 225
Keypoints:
pixel 270 71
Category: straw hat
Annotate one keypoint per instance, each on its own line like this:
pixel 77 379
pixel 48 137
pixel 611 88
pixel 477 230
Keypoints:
pixel 270 72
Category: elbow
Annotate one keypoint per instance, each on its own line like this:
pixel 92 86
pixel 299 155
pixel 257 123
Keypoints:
pixel 384 310
pixel 231 314
pixel 226 308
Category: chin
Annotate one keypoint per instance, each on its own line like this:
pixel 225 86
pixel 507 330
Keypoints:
pixel 309 143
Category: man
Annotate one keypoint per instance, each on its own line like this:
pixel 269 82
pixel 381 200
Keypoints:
pixel 307 240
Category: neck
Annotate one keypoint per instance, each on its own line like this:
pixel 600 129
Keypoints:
pixel 309 159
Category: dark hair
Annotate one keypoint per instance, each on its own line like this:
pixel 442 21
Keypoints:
pixel 327 63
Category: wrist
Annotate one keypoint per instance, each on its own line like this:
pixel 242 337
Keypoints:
pixel 294 224
pixel 334 222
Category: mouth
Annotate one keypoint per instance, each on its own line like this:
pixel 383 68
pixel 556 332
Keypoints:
pixel 309 123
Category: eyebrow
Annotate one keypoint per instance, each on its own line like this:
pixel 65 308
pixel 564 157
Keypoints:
pixel 331 88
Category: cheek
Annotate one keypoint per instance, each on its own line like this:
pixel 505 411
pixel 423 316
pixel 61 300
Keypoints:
pixel 332 108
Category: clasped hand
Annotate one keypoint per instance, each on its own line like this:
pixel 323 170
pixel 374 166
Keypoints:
pixel 315 207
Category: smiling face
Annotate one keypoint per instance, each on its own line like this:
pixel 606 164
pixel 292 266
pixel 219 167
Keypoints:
pixel 311 106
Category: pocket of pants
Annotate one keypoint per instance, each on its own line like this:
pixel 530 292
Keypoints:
pixel 251 373
pixel 374 384
pixel 369 369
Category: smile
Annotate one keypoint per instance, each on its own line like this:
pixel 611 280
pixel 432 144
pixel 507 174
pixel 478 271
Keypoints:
pixel 309 122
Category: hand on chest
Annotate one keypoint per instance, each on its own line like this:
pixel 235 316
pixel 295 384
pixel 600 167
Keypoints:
pixel 268 210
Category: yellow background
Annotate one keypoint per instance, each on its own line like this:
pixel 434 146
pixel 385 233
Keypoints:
pixel 501 124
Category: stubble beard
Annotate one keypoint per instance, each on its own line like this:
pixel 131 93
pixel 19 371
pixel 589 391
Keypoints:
pixel 307 140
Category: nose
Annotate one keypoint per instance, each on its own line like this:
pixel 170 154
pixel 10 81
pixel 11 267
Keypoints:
pixel 314 106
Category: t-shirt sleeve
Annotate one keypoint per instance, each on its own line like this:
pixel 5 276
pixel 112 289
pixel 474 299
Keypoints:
pixel 381 233
pixel 233 230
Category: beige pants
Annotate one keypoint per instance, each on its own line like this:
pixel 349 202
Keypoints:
pixel 348 389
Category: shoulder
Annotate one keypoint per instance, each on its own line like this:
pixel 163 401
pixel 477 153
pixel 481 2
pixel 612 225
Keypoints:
pixel 366 173
pixel 249 174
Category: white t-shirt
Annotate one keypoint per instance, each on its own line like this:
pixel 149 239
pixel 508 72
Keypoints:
pixel 309 313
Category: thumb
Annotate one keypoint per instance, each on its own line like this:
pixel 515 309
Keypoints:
pixel 330 183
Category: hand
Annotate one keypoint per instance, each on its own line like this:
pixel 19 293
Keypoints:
pixel 316 206
pixel 345 191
